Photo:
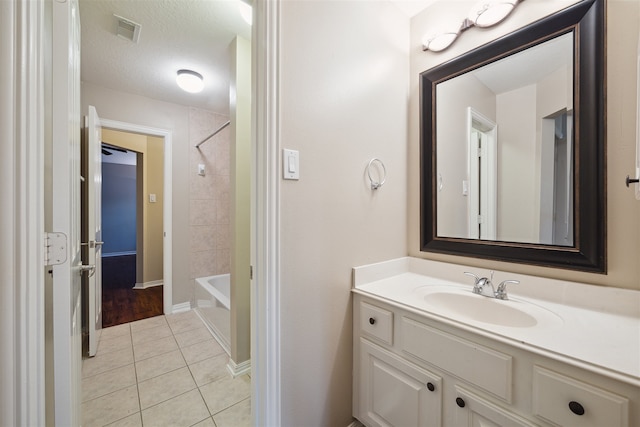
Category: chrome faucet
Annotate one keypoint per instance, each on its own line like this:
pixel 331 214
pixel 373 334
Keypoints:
pixel 484 286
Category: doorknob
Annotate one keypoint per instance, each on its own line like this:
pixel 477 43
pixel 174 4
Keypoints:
pixel 93 243
pixel 88 268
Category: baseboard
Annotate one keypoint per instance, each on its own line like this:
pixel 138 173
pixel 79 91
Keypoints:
pixel 146 285
pixel 356 423
pixel 239 369
pixel 112 254
pixel 179 308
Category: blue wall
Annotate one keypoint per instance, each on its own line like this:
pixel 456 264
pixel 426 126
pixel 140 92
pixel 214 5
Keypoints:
pixel 118 208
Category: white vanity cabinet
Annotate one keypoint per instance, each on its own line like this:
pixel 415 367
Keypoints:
pixel 411 369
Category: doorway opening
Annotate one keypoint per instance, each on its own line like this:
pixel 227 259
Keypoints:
pixel 153 255
pixel 482 185
pixel 131 275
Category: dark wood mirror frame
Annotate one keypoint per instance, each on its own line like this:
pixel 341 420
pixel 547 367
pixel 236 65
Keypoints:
pixel 587 19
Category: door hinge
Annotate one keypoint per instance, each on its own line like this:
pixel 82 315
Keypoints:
pixel 55 248
pixel 251 272
pixel 480 219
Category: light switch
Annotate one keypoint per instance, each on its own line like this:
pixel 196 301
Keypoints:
pixel 152 198
pixel 465 188
pixel 201 169
pixel 290 164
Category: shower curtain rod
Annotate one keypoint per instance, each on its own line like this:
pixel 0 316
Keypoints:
pixel 213 134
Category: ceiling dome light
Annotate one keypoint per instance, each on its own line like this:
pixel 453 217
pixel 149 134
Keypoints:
pixel 489 12
pixel 190 81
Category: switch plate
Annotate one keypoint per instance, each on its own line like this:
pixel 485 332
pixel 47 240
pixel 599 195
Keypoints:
pixel 290 164
pixel 201 169
pixel 152 198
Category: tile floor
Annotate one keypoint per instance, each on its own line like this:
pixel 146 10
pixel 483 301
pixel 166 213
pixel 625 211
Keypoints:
pixel 162 371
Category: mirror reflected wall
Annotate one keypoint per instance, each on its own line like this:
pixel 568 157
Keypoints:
pixel 512 145
pixel 505 149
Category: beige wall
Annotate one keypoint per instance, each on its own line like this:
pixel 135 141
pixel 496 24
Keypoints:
pixel 343 100
pixel 623 211
pixel 240 103
pixel 154 219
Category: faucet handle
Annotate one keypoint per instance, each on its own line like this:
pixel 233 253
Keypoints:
pixel 501 292
pixel 472 275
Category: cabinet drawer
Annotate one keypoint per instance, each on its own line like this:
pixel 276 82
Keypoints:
pixel 376 322
pixel 474 363
pixel 569 402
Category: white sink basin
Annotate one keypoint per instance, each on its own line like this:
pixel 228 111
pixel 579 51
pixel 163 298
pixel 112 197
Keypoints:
pixel 462 303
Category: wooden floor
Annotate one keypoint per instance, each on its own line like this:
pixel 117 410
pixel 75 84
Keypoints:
pixel 120 302
pixel 126 305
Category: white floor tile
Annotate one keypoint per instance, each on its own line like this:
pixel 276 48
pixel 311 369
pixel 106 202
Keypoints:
pixel 193 336
pixel 165 387
pixel 107 361
pixel 159 363
pixel 202 350
pixel 222 394
pixel 184 410
pixel 149 349
pixel 108 382
pixel 238 415
pixel 210 370
pixel 111 407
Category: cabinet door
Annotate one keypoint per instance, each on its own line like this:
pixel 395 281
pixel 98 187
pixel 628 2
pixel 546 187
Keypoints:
pixel 396 393
pixel 470 410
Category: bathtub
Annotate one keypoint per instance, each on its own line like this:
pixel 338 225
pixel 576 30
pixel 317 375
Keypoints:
pixel 212 303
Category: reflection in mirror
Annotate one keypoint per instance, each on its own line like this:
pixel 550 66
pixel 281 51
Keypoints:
pixel 513 156
pixel 504 153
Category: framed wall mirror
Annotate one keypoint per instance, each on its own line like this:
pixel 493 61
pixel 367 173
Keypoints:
pixel 513 151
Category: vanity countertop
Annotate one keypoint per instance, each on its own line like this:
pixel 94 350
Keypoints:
pixel 598 327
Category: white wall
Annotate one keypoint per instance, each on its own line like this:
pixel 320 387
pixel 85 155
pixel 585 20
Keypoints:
pixel 343 100
pixel 623 211
pixel 517 177
pixel 454 98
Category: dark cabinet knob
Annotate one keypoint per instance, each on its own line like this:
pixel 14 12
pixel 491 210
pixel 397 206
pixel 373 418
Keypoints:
pixel 430 386
pixel 460 402
pixel 576 408
pixel 372 320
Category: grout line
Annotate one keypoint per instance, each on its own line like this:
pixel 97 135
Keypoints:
pixel 187 365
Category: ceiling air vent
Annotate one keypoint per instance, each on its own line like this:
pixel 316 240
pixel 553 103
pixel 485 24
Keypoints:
pixel 127 29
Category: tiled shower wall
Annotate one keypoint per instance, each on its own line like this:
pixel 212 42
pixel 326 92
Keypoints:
pixel 209 205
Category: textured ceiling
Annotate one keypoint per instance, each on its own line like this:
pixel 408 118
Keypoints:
pixel 175 34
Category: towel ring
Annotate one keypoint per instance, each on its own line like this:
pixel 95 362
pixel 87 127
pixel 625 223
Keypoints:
pixel 375 184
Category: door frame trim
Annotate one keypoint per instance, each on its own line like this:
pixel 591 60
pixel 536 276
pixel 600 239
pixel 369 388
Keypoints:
pixel 167 255
pixel 266 389
pixel 22 124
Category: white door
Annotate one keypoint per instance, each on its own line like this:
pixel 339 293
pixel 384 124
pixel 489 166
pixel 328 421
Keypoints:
pixel 482 173
pixel 94 225
pixel 65 185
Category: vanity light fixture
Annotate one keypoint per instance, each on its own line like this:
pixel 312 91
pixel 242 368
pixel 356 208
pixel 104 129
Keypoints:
pixel 488 13
pixel 483 14
pixel 190 81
